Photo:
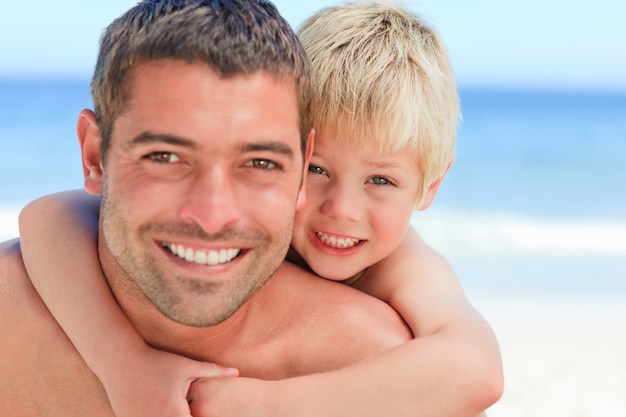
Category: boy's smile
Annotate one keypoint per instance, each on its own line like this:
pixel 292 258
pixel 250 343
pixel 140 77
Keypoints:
pixel 359 204
pixel 336 241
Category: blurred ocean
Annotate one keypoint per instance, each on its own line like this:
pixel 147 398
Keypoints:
pixel 536 200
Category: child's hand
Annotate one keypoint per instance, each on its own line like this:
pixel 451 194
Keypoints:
pixel 235 397
pixel 154 383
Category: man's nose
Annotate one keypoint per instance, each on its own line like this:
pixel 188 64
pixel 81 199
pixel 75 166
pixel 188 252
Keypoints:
pixel 212 202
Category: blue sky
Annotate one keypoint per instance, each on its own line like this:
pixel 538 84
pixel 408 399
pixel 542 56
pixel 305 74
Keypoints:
pixel 554 44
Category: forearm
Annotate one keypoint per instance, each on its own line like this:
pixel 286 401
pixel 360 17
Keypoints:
pixel 432 376
pixel 424 377
pixel 60 254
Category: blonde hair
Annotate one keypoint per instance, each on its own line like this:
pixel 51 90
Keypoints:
pixel 382 79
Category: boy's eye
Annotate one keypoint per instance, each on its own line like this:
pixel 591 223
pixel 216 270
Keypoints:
pixel 316 170
pixel 380 181
pixel 262 164
pixel 164 157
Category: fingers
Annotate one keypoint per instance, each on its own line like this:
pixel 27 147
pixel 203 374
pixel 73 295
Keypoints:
pixel 219 371
pixel 196 392
pixel 192 369
pixel 211 370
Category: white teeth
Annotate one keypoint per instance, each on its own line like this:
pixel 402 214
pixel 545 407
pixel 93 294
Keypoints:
pixel 212 257
pixel 339 243
pixel 200 258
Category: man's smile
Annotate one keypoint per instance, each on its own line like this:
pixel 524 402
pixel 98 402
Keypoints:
pixel 202 257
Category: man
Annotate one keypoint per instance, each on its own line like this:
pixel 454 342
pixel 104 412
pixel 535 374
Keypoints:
pixel 198 144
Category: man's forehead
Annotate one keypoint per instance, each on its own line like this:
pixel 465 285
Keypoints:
pixel 150 69
pixel 171 79
pixel 191 102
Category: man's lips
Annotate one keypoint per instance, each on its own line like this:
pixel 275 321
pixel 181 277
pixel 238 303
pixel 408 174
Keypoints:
pixel 202 257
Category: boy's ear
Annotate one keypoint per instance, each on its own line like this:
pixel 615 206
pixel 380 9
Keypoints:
pixel 89 140
pixel 433 189
pixel 307 158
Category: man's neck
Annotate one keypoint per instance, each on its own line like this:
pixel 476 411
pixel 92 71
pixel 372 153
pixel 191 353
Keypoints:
pixel 159 331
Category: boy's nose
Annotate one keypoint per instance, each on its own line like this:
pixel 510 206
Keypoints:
pixel 342 203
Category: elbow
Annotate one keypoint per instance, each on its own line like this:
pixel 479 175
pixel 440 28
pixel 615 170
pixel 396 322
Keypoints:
pixel 485 382
pixel 486 387
pixel 490 389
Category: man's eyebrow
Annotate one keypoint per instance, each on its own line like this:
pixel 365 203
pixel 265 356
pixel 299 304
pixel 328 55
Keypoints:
pixel 276 147
pixel 270 146
pixel 149 137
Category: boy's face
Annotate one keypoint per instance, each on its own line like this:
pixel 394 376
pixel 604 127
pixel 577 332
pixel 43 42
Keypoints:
pixel 359 204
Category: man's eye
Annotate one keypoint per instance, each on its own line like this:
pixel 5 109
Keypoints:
pixel 316 170
pixel 164 157
pixel 262 164
pixel 380 181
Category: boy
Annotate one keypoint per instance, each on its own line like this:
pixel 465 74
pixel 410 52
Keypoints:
pixel 385 112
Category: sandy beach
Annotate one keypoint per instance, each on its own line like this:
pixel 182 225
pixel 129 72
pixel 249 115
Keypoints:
pixel 564 356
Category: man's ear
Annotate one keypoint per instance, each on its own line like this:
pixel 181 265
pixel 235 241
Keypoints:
pixel 307 158
pixel 433 189
pixel 89 140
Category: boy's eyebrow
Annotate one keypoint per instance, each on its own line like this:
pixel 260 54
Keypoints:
pixel 384 164
pixel 149 137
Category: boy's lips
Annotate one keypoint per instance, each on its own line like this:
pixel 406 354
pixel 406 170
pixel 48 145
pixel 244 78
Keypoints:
pixel 337 242
pixel 202 257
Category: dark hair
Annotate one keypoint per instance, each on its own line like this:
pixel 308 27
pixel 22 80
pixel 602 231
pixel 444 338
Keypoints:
pixel 233 37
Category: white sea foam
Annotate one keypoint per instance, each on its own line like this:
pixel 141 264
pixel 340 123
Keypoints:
pixel 480 235
pixel 500 235
pixel 8 221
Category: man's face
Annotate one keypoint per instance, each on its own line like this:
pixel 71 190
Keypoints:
pixel 201 183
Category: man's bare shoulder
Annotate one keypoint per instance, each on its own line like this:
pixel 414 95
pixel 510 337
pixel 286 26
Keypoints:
pixel 12 274
pixel 17 294
pixel 344 304
pixel 339 322
pixel 40 371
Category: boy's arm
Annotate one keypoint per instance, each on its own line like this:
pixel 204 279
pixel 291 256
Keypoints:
pixel 58 239
pixel 452 367
pixel 455 353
